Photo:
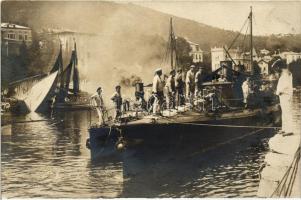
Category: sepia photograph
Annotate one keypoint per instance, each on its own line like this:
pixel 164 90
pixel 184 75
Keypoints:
pixel 150 99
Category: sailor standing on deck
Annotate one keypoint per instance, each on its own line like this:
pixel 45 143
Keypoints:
pixel 98 104
pixel 157 91
pixel 179 85
pixel 170 90
pixel 199 79
pixel 246 90
pixel 190 84
pixel 285 93
pixel 117 99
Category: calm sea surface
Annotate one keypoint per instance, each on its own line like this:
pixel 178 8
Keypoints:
pixel 50 159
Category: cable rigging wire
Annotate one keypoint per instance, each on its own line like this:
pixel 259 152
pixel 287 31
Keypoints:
pixel 238 34
pixel 244 39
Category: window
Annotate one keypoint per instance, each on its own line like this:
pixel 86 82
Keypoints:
pixel 20 37
pixel 25 37
pixel 11 36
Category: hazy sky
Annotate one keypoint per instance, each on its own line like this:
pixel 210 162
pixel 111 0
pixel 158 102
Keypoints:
pixel 269 16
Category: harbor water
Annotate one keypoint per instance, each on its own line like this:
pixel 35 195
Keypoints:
pixel 49 159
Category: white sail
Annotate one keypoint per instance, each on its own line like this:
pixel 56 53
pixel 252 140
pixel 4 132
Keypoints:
pixel 37 95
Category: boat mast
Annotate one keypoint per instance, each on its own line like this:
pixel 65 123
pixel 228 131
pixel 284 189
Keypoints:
pixel 171 44
pixel 172 39
pixel 251 41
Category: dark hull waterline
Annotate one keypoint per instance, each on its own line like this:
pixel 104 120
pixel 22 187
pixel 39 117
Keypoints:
pixel 188 128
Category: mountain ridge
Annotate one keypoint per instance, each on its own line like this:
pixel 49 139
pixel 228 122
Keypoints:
pixel 140 19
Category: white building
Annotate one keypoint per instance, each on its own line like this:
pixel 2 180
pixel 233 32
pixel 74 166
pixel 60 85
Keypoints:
pixel 239 57
pixel 15 33
pixel 290 56
pixel 196 53
pixel 12 37
pixel 218 54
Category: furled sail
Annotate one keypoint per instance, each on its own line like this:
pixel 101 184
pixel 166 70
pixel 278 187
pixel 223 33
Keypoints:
pixel 75 72
pixel 70 73
pixel 68 76
pixel 58 65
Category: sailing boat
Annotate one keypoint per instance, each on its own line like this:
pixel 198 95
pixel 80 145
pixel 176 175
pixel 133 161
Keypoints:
pixel 68 94
pixel 56 90
pixel 184 124
pixel 38 98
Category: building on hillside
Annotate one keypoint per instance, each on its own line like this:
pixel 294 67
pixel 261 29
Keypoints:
pixel 15 33
pixel 264 66
pixel 218 54
pixel 196 53
pixel 13 36
pixel 290 56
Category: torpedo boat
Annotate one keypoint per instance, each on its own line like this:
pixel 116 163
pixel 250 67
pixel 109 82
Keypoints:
pixel 208 120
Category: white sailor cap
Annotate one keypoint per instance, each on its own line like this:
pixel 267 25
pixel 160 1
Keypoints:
pixel 192 66
pixel 158 70
pixel 279 63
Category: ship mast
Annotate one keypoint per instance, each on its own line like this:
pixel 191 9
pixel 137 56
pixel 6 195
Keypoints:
pixel 251 41
pixel 172 39
pixel 171 44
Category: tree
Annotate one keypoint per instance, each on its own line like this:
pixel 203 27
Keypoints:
pixel 24 59
pixel 182 50
pixel 294 67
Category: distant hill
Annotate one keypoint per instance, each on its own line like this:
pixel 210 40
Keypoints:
pixel 131 39
pixel 128 19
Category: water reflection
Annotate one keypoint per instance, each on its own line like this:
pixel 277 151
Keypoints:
pixel 230 171
pixel 49 159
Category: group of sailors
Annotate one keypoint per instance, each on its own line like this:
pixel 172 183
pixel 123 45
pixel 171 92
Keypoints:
pixel 192 84
pixel 175 86
pixel 98 104
pixel 177 90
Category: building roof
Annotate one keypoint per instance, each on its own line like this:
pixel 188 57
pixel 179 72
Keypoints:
pixel 191 43
pixel 290 53
pixel 13 26
pixel 194 44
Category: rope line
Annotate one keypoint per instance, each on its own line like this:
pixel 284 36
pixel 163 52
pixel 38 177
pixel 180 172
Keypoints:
pixel 238 34
pixel 281 185
pixel 226 142
pixel 244 39
pixel 226 125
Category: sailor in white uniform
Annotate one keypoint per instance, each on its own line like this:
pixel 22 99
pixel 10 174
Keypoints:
pixel 117 100
pixel 246 89
pixel 98 104
pixel 190 84
pixel 285 93
pixel 170 90
pixel 157 91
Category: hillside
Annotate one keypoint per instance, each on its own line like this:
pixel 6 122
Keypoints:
pixel 130 39
pixel 127 19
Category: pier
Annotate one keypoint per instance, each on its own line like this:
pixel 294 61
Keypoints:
pixel 280 174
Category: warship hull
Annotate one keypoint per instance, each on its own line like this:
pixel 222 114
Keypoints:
pixel 186 128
